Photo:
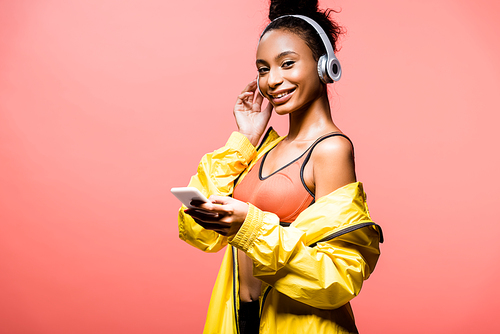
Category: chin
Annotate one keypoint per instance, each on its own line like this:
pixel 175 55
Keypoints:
pixel 287 108
pixel 282 110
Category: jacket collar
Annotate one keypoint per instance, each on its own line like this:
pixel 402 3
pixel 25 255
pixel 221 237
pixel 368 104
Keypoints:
pixel 271 139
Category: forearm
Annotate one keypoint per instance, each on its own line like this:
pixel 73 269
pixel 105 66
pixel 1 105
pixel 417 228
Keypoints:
pixel 218 170
pixel 216 174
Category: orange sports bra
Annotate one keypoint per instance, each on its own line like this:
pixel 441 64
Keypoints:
pixel 283 192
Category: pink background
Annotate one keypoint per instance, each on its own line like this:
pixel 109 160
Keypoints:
pixel 106 104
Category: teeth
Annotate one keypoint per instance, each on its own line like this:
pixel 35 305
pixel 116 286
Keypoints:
pixel 281 95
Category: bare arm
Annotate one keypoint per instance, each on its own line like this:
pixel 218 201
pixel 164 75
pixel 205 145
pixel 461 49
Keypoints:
pixel 333 165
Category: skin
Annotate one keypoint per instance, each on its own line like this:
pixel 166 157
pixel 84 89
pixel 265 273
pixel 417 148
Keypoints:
pixel 286 66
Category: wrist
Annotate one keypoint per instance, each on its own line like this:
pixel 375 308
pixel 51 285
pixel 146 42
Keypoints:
pixel 254 140
pixel 240 143
pixel 249 230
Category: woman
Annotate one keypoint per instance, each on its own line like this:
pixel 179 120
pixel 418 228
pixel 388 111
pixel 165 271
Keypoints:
pixel 300 235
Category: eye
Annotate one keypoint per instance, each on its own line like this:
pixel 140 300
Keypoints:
pixel 263 70
pixel 287 63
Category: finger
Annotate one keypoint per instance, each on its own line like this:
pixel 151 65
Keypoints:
pixel 211 226
pixel 252 85
pixel 245 96
pixel 217 213
pixel 217 208
pixel 211 205
pixel 221 204
pixel 214 213
pixel 196 202
pixel 216 227
pixel 202 215
pixel 225 214
pixel 216 199
pixel 258 99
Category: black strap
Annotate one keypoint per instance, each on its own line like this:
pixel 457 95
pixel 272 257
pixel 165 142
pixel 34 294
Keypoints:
pixel 310 149
pixel 348 230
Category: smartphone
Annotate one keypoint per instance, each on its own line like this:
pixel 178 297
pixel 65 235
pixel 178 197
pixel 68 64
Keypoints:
pixel 188 194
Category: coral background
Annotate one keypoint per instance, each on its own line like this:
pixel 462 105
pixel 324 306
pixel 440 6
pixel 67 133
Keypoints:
pixel 105 105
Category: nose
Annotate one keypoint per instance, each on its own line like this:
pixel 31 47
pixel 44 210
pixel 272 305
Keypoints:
pixel 274 78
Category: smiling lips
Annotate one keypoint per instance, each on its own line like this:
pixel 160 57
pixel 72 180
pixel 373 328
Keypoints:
pixel 282 96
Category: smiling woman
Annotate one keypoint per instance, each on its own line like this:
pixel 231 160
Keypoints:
pixel 302 241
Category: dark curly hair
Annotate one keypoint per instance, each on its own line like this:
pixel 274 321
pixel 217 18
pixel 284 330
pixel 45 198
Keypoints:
pixel 300 27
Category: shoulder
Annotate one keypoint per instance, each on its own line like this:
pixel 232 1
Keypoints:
pixel 333 148
pixel 333 164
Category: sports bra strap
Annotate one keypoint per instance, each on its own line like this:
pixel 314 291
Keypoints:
pixel 311 148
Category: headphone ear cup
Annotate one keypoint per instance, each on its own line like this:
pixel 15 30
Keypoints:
pixel 334 69
pixel 258 87
pixel 323 70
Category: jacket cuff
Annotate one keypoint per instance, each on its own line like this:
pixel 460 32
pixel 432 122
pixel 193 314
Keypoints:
pixel 240 143
pixel 250 230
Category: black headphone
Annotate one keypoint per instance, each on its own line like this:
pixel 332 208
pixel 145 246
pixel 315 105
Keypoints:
pixel 329 69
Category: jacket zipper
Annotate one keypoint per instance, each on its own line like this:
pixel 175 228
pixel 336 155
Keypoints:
pixel 349 229
pixel 235 294
pixel 266 292
pixel 233 249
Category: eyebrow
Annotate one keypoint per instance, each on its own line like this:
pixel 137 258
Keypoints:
pixel 281 55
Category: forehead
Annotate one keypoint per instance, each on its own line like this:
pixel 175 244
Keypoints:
pixel 276 41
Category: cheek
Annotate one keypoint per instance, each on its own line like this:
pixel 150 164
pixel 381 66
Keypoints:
pixel 308 79
pixel 296 74
pixel 307 73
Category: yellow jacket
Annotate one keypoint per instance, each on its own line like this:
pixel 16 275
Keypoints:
pixel 310 270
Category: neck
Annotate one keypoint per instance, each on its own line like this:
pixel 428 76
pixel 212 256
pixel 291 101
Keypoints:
pixel 311 121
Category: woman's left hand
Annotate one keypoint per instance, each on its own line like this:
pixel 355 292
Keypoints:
pixel 224 215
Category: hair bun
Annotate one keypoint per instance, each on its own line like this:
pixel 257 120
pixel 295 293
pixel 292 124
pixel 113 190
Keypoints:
pixel 279 8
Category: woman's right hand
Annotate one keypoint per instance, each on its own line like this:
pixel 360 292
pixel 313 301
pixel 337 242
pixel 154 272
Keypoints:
pixel 250 119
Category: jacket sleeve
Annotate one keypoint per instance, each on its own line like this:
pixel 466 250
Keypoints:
pixel 326 276
pixel 216 174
